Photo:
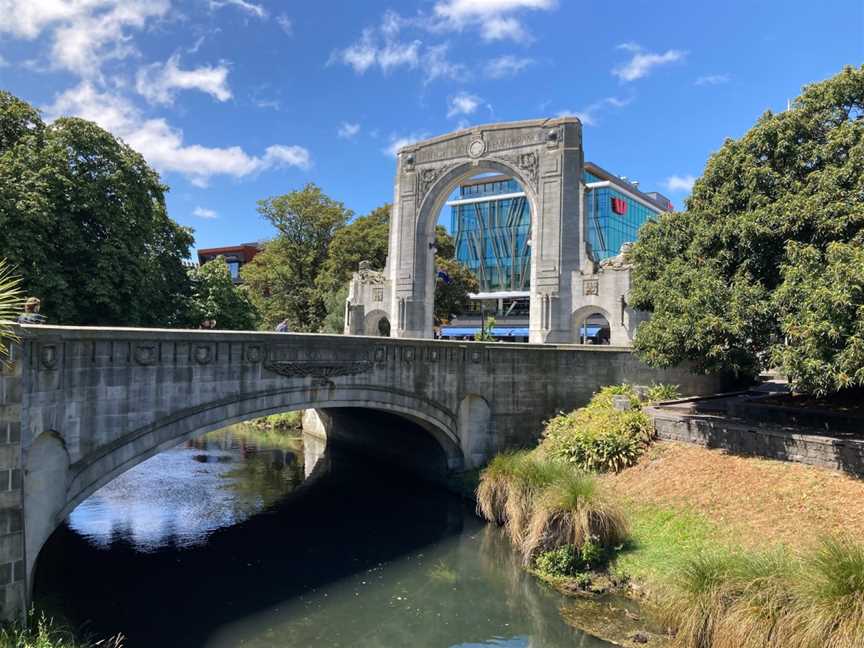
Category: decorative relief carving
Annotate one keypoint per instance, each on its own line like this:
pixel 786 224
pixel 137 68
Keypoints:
pixel 528 164
pixel 254 354
pixel 408 354
pixel 476 356
pixel 380 354
pixel 48 356
pixel 321 371
pixel 590 287
pixel 146 354
pixel 476 148
pixel 202 354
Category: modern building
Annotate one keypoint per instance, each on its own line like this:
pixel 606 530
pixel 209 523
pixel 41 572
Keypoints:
pixel 490 219
pixel 236 256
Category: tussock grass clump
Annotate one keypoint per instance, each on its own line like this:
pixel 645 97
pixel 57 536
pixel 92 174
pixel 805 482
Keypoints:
pixel 545 504
pixel 572 512
pixel 770 600
pixel 829 598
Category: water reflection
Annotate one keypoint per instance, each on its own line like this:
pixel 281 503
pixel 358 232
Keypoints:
pixel 222 543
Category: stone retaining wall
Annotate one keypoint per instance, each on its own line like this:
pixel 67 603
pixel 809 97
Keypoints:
pixel 743 437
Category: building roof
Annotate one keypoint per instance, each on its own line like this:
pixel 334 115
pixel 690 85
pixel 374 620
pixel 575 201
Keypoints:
pixel 653 197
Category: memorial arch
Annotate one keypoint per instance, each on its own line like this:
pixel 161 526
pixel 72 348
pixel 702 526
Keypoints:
pixel 546 157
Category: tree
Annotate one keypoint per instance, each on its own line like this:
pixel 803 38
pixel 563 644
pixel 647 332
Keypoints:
pixel 10 306
pixel 216 297
pixel 83 221
pixel 364 239
pixel 451 294
pixel 727 280
pixel 445 246
pixel 283 278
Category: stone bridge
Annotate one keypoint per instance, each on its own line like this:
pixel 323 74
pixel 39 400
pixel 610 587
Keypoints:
pixel 79 406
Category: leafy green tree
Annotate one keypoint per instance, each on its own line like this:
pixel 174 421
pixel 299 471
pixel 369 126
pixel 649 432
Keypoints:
pixel 83 220
pixel 334 321
pixel 727 280
pixel 364 239
pixel 216 297
pixel 283 278
pixel 451 298
pixel 445 246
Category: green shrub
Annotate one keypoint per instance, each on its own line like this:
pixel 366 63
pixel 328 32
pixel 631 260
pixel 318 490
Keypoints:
pixel 598 438
pixel 570 560
pixel 659 392
pixel 564 561
pixel 603 398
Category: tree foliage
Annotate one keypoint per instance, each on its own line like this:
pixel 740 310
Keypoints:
pixel 452 298
pixel 216 297
pixel 283 279
pixel 752 272
pixel 364 239
pixel 83 220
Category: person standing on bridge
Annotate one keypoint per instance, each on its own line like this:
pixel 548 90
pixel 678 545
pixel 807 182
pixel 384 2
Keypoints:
pixel 31 314
pixel 282 327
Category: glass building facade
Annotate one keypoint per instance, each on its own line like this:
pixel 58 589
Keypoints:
pixel 491 225
pixel 613 217
pixel 490 221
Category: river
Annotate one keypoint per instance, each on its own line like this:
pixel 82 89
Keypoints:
pixel 246 539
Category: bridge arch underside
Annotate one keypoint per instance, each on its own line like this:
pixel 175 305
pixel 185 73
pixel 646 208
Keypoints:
pixel 362 417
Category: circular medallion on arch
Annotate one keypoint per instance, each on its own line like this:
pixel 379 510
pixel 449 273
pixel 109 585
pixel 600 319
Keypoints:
pixel 476 148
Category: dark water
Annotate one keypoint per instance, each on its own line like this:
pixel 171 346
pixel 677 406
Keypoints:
pixel 226 542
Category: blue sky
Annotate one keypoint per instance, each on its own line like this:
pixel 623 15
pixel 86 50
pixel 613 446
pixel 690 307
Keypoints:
pixel 236 100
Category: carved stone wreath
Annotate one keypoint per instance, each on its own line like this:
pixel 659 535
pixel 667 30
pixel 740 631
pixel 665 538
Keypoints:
pixel 321 371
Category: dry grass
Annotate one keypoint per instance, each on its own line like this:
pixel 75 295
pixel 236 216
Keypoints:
pixel 751 502
pixel 571 512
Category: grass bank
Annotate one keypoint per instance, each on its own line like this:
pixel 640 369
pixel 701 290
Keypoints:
pixel 728 551
pixel 43 632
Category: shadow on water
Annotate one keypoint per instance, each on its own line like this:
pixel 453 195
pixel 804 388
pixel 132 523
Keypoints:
pixel 358 555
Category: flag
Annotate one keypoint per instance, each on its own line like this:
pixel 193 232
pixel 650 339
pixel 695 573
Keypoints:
pixel 443 276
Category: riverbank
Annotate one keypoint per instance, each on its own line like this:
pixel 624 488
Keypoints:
pixel 721 540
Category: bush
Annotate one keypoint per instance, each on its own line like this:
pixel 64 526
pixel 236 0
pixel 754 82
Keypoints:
pixel 570 560
pixel 595 438
pixel 659 392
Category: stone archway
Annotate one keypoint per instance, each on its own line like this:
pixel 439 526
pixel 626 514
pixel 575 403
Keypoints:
pixel 377 324
pixel 545 156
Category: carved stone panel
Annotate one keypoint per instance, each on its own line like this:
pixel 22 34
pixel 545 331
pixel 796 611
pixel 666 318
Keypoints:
pixel 321 371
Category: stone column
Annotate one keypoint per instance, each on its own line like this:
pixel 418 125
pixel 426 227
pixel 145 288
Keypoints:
pixel 13 586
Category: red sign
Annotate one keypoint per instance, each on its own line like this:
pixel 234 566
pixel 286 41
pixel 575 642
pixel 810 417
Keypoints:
pixel 619 206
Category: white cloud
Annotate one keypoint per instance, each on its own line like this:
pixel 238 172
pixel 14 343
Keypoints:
pixel 348 130
pixel 463 104
pixel 286 24
pixel 385 52
pixel 713 79
pixel 589 116
pixel 677 183
pixel 158 82
pixel 85 33
pixel 252 9
pixel 436 65
pixel 494 18
pixel 162 145
pixel 397 142
pixel 506 66
pixel 642 62
pixel 203 212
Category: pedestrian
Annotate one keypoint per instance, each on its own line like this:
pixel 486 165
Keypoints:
pixel 282 327
pixel 31 313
